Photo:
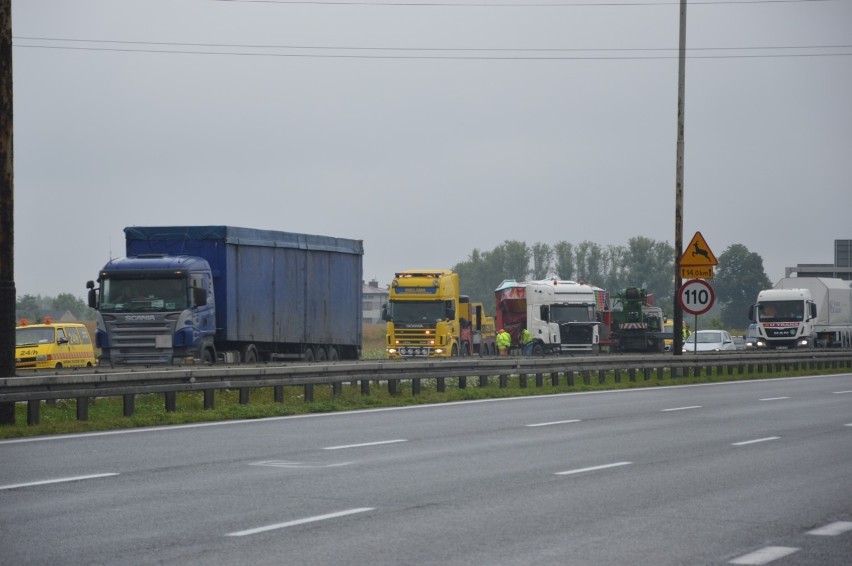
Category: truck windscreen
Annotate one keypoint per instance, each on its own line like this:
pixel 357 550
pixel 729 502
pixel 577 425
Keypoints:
pixel 781 311
pixel 165 294
pixel 570 313
pixel 416 311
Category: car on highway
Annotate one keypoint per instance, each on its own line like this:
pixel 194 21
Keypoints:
pixel 704 341
pixel 753 341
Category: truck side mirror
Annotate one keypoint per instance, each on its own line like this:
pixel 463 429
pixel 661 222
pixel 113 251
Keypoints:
pixel 813 310
pixel 93 295
pixel 751 313
pixel 385 314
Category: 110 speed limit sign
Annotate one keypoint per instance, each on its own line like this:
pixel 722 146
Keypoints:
pixel 696 296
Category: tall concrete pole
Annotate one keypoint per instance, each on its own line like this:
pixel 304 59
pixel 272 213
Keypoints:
pixel 7 248
pixel 677 342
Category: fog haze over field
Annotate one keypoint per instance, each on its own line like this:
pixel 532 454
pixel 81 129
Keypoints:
pixel 430 129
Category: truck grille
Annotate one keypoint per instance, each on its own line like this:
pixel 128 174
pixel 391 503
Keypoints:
pixel 140 342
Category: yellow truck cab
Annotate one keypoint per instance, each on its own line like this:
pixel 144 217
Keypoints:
pixel 53 345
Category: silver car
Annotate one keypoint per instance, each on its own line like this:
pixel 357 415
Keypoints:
pixel 705 341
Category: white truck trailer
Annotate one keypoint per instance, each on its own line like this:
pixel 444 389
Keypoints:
pixel 805 312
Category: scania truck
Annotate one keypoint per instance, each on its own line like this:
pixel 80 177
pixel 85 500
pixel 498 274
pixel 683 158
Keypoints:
pixel 428 317
pixel 804 312
pixel 207 294
pixel 562 316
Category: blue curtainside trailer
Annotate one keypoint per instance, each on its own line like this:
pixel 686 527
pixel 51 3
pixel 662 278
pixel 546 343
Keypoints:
pixel 190 294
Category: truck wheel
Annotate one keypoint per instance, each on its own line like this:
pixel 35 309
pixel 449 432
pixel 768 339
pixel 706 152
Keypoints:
pixel 208 357
pixel 250 354
pixel 454 353
pixel 321 355
pixel 333 354
pixel 537 350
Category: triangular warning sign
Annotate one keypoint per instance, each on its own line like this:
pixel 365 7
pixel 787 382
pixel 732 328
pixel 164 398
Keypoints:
pixel 698 253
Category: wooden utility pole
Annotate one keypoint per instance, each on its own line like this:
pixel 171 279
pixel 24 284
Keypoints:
pixel 7 247
pixel 677 339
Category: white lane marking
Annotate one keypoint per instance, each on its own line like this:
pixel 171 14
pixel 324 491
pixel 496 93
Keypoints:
pixel 832 529
pixel 379 443
pixel 593 468
pixel 299 522
pixel 773 398
pixel 764 555
pixel 842 392
pixel 58 480
pixel 554 423
pixel 755 441
pixel 284 464
pixel 681 408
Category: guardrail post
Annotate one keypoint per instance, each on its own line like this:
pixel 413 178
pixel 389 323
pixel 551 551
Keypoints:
pixel 646 374
pixel 171 401
pixel 336 389
pixel 631 375
pixel 442 384
pixel 539 380
pixel 209 399
pixel 462 382
pixel 365 387
pixel 696 371
pixel 309 392
pixel 415 386
pixel 82 408
pixel 602 376
pixel 7 413
pixel 483 381
pixel 660 372
pixel 33 412
pixel 569 378
pixel 504 381
pixel 522 381
pixel 587 377
pixel 244 395
pixel 129 404
pixel 554 378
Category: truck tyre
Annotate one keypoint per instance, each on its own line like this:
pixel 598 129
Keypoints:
pixel 537 350
pixel 250 354
pixel 308 355
pixel 333 354
pixel 454 353
pixel 208 356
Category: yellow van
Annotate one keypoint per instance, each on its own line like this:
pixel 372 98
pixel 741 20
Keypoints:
pixel 53 345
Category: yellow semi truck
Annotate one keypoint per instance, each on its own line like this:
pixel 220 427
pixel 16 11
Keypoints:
pixel 428 317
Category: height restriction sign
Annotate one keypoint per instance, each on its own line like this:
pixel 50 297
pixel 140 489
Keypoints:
pixel 696 296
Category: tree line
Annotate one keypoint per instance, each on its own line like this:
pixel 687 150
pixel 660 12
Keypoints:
pixel 33 308
pixel 643 262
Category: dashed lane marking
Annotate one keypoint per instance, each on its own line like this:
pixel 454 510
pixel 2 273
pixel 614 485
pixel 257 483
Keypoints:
pixel 364 444
pixel 593 468
pixel 755 441
pixel 58 480
pixel 764 555
pixel 299 522
pixel 554 423
pixel 832 529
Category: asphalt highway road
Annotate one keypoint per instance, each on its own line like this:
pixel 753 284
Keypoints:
pixel 755 472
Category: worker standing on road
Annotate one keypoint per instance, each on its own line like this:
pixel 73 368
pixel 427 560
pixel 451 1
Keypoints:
pixel 526 342
pixel 504 340
pixel 686 331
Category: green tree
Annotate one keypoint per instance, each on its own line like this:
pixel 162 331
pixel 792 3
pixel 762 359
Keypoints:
pixel 75 305
pixel 739 277
pixel 30 308
pixel 516 260
pixel 650 264
pixel 564 260
pixel 542 258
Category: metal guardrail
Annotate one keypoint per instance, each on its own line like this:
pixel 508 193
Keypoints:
pixel 128 383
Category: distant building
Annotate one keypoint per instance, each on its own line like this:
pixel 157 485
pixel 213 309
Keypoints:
pixel 373 299
pixel 842 268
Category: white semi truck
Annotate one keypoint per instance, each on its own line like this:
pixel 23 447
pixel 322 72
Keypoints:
pixel 804 312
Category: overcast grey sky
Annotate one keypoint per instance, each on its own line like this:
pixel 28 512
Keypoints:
pixel 428 130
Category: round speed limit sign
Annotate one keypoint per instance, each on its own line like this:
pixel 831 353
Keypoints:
pixel 696 296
